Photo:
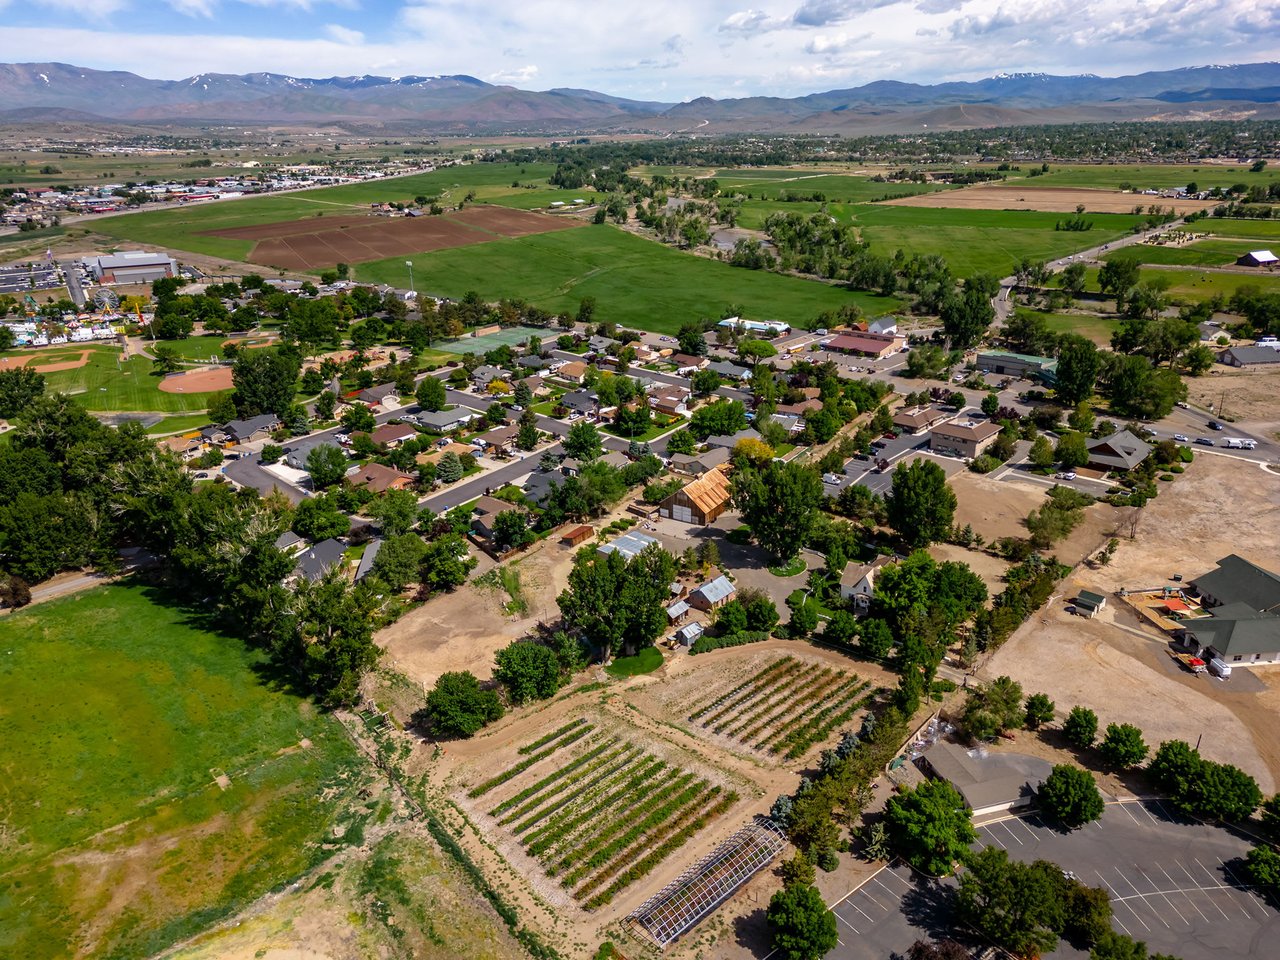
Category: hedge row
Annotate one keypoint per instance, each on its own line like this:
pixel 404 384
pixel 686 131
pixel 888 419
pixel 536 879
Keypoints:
pixel 705 643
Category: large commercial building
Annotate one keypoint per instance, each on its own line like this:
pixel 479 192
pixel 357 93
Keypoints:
pixel 131 266
pixel 1018 365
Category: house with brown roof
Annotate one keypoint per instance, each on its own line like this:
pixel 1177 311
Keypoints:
pixel 963 438
pixel 801 408
pixel 874 345
pixel 433 456
pixel 485 511
pixel 685 363
pixel 917 419
pixel 672 401
pixel 696 464
pixel 499 439
pixel 573 371
pixel 391 435
pixel 187 447
pixel 537 386
pixel 700 501
pixel 376 478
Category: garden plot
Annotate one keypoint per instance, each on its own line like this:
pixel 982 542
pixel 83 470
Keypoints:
pixel 596 811
pixel 786 707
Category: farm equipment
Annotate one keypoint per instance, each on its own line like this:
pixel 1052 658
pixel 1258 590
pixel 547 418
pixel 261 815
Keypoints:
pixel 1193 664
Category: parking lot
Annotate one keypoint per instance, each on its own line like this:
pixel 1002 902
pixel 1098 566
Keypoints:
pixel 19 279
pixel 1173 884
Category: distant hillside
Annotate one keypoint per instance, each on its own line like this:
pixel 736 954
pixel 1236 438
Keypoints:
pixel 53 91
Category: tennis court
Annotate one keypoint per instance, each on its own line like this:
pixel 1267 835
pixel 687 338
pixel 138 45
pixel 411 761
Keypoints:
pixel 507 336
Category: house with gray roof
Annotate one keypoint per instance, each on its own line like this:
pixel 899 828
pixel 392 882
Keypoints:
pixel 1243 600
pixel 1238 580
pixel 731 440
pixel 696 464
pixel 295 455
pixel 713 595
pixel 383 393
pixel 1119 451
pixel 1249 356
pixel 445 421
pixel 370 554
pixel 987 782
pixel 315 562
pixel 254 428
pixel 730 371
pixel 534 363
pixel 584 402
pixel 483 376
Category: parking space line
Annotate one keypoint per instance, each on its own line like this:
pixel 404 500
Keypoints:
pixel 1156 891
pixel 1143 808
pixel 864 892
pixel 1144 899
pixel 1174 885
pixel 1115 898
pixel 1193 880
pixel 846 922
pixel 886 889
pixel 861 911
pixel 991 839
pixel 1242 888
pixel 1011 833
pixel 1224 886
pixel 1122 806
pixel 1030 833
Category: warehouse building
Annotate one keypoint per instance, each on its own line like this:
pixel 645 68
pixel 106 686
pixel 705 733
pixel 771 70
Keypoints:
pixel 131 266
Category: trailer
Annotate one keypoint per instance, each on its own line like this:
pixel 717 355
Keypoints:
pixel 1192 663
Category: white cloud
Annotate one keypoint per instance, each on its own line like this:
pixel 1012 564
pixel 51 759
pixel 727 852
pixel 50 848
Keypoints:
pixel 343 34
pixel 748 22
pixel 89 9
pixel 193 8
pixel 519 77
pixel 826 13
pixel 831 45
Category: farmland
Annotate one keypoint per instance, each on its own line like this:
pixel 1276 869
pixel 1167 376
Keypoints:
pixel 785 708
pixel 597 811
pixel 1248 229
pixel 159 784
pixel 1195 285
pixel 635 281
pixel 1200 253
pixel 1149 176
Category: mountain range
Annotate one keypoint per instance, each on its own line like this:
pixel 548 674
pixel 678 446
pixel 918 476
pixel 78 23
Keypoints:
pixel 32 92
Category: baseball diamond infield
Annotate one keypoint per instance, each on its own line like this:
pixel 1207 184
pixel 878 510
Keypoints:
pixel 206 380
pixel 317 243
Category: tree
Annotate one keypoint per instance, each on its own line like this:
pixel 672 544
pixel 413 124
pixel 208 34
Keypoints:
pixel 398 560
pixel 1017 906
pixel 756 350
pixel 327 465
pixel 18 388
pixel 431 394
pixel 875 639
pixel 1118 276
pixel 1081 418
pixel 1041 454
pixel 1072 450
pixel 619 605
pixel 357 418
pixel 449 468
pixel 1078 366
pixel 583 442
pixel 528 670
pixel 324 405
pixel 271 453
pixel 396 511
pixel 1271 817
pixel 779 504
pixel 264 381
pixel 1070 796
pixel 334 635
pixel 691 340
pixel 319 518
pixel 993 709
pixel 921 507
pixel 166 359
pixel 523 396
pixel 527 436
pixel 457 707
pixel 1123 746
pixel 800 925
pixel 929 826
pixel 1072 278
pixel 446 563
pixel 706 382
pixel 1262 870
pixel 1081 727
pixel 1039 710
pixel 720 419
pixel 965 318
pixel 511 530
pixel 681 442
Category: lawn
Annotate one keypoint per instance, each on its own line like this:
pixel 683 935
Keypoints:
pixel 1224 227
pixel 1200 253
pixel 983 241
pixel 120 710
pixel 1097 329
pixel 180 423
pixel 636 282
pixel 109 384
pixel 646 661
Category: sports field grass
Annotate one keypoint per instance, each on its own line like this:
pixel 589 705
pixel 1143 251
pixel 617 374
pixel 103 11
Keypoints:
pixel 1201 253
pixel 983 241
pixel 1097 329
pixel 636 282
pixel 1227 227
pixel 120 711
pixel 109 384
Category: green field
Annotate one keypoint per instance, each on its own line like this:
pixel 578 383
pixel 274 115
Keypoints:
pixel 109 384
pixel 1196 285
pixel 983 241
pixel 120 710
pixel 1149 176
pixel 1249 229
pixel 1201 253
pixel 1097 329
pixel 636 282
pixel 838 188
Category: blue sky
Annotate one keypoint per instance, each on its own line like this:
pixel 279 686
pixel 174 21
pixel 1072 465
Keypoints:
pixel 660 49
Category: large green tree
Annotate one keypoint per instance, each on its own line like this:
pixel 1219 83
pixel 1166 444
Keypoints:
pixel 1017 906
pixel 780 504
pixel 929 826
pixel 529 671
pixel 1070 796
pixel 619 605
pixel 583 442
pixel 327 465
pixel 431 394
pixel 18 387
pixel 921 507
pixel 446 563
pixel 458 707
pixel 265 381
pixel 1078 367
pixel 800 925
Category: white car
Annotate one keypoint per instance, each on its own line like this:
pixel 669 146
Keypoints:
pixel 1069 475
pixel 1181 438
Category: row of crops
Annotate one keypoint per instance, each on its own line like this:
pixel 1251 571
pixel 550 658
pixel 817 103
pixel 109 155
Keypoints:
pixel 785 708
pixel 598 812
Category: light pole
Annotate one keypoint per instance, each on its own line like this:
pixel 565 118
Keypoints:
pixel 409 264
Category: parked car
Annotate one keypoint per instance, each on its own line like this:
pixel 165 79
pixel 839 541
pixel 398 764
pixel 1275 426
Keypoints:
pixel 1204 440
pixel 1069 475
pixel 1184 405
pixel 890 435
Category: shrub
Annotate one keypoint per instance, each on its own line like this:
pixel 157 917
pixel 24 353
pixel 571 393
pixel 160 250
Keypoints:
pixel 1081 727
pixel 1123 746
pixel 1070 796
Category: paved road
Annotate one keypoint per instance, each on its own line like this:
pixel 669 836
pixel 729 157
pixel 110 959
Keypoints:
pixel 248 472
pixel 71 271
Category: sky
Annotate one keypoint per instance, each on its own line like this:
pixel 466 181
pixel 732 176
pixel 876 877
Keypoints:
pixel 667 50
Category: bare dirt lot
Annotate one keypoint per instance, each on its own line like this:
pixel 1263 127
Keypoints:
pixel 318 242
pixel 1250 394
pixel 1119 666
pixel 1049 199
pixel 208 380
